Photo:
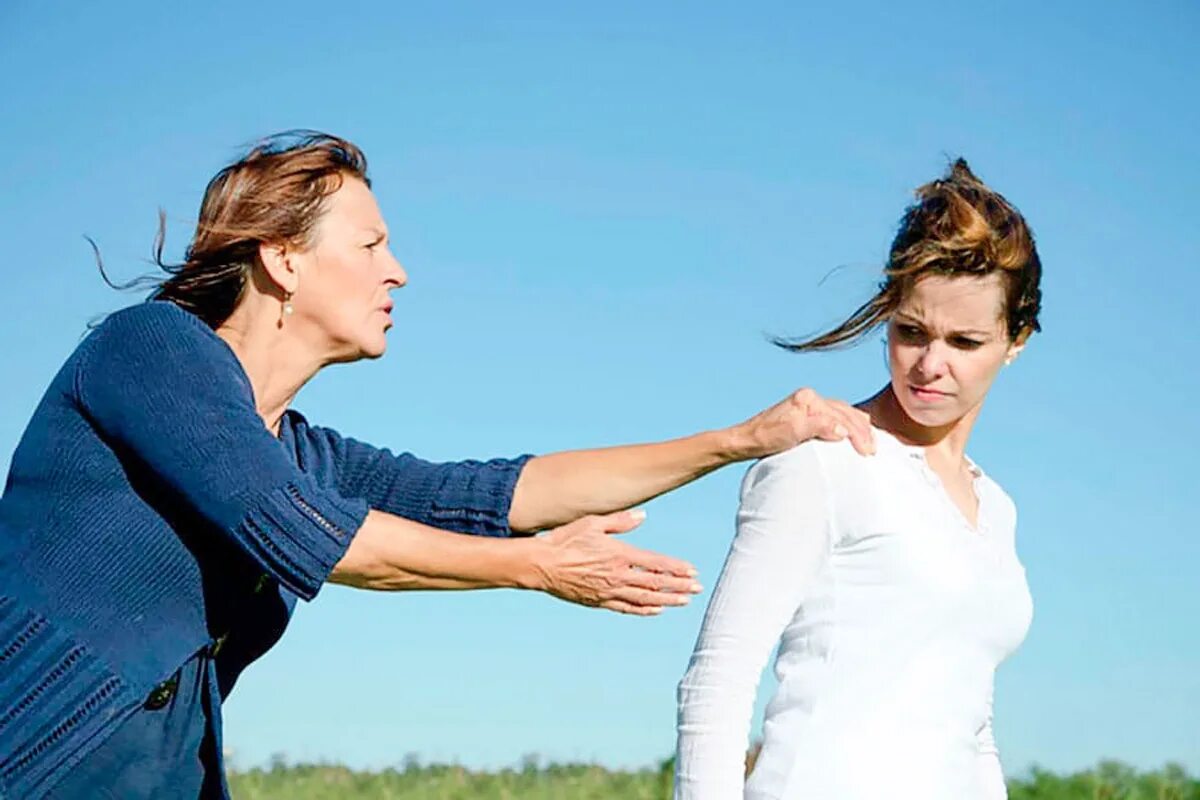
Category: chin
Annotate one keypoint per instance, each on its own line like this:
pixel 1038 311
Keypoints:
pixel 374 350
pixel 376 344
pixel 928 419
pixel 357 351
pixel 930 416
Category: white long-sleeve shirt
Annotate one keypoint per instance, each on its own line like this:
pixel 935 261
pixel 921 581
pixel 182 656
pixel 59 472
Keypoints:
pixel 891 613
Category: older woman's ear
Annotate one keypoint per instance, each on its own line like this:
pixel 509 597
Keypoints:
pixel 279 266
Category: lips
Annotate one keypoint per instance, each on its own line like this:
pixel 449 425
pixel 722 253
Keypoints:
pixel 925 393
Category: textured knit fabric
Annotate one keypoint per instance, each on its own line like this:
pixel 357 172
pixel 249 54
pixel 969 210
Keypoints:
pixel 150 519
pixel 164 753
pixel 891 613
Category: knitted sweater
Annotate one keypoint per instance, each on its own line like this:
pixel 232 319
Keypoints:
pixel 147 509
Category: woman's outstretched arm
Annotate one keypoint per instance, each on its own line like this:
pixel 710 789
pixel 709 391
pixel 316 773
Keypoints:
pixel 581 563
pixel 560 487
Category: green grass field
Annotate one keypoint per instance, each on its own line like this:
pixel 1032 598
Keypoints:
pixel 1110 780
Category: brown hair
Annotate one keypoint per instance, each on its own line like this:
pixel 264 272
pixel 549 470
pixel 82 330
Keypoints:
pixel 273 195
pixel 958 226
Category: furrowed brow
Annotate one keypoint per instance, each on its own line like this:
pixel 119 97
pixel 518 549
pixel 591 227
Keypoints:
pixel 978 333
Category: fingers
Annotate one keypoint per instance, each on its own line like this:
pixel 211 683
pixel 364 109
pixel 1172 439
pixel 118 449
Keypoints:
pixel 647 598
pixel 649 593
pixel 839 420
pixel 656 562
pixel 622 607
pixel 581 563
pixel 857 424
pixel 660 582
pixel 645 588
pixel 624 521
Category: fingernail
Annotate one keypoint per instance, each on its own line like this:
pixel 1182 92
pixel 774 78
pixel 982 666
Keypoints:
pixel 638 514
pixel 691 572
pixel 840 430
pixel 696 588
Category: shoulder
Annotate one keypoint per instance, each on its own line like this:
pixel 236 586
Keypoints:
pixel 152 314
pixel 808 463
pixel 157 341
pixel 162 326
pixel 155 326
pixel 834 460
pixel 847 479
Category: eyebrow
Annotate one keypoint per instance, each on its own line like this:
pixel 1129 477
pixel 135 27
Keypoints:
pixel 965 331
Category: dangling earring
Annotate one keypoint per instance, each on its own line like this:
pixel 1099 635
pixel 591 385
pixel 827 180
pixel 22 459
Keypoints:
pixel 287 310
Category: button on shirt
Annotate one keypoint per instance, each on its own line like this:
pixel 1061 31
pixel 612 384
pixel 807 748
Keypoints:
pixel 891 612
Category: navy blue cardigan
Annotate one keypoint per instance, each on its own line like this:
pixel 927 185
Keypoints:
pixel 146 509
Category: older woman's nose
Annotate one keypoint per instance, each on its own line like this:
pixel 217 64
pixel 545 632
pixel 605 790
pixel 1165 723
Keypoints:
pixel 396 275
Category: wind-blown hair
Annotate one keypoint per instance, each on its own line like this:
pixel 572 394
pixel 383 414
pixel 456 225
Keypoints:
pixel 275 194
pixel 958 226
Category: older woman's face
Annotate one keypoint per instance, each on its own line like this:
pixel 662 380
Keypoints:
pixel 946 342
pixel 347 275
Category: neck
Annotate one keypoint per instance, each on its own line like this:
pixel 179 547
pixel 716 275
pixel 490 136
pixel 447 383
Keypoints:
pixel 948 442
pixel 276 360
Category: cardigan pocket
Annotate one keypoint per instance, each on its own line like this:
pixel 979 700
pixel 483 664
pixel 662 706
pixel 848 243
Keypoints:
pixel 57 700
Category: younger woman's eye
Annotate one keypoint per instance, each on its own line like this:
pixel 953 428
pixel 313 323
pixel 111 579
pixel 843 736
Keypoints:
pixel 908 331
pixel 966 343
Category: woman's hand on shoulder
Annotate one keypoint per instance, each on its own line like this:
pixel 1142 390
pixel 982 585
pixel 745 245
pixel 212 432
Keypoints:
pixel 801 416
pixel 582 562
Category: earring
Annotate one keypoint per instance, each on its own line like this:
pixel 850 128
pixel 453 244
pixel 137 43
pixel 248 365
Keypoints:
pixel 286 309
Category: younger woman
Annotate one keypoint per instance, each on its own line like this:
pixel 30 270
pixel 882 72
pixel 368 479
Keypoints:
pixel 890 584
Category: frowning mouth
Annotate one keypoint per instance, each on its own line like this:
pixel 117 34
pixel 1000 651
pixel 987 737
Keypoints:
pixel 925 393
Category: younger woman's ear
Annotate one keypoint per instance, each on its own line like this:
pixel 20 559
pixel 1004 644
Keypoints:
pixel 1017 346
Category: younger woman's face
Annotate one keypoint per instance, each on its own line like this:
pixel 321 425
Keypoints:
pixel 947 340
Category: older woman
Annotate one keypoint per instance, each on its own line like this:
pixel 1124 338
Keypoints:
pixel 166 507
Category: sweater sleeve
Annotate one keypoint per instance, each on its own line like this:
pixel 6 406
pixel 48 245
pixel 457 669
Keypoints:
pixel 783 540
pixel 471 497
pixel 168 395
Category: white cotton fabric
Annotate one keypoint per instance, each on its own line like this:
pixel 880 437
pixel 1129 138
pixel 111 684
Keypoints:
pixel 891 613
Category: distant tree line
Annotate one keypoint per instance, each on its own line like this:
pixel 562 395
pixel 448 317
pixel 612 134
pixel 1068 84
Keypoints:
pixel 534 780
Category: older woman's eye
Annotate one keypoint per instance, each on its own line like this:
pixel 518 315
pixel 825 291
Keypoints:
pixel 908 332
pixel 966 343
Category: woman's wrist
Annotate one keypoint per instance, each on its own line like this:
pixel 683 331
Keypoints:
pixel 528 567
pixel 730 445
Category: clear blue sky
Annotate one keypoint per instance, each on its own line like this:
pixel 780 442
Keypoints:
pixel 602 211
